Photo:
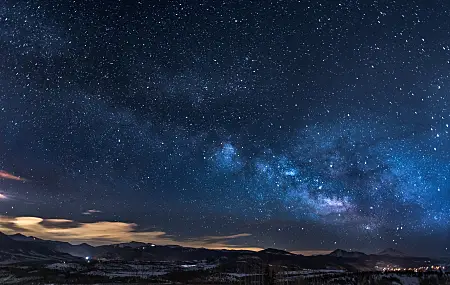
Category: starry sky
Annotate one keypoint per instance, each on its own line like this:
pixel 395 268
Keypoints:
pixel 301 125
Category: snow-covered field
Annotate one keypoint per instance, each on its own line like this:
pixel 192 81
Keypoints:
pixel 65 266
pixel 132 269
pixel 203 272
pixel 11 279
pixel 140 274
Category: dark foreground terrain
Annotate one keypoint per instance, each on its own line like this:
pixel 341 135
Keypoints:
pixel 28 260
pixel 136 273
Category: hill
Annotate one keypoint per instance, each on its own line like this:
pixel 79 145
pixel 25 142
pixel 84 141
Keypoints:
pixel 347 254
pixel 392 252
pixel 16 251
pixel 19 247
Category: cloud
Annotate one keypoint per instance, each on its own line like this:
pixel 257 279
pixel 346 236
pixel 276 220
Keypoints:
pixel 92 211
pixel 105 232
pixel 3 197
pixel 59 224
pixel 6 175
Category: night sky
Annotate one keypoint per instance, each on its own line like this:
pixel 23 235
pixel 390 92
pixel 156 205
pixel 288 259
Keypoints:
pixel 300 125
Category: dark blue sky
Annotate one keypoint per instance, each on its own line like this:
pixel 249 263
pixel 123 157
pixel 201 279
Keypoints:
pixel 302 125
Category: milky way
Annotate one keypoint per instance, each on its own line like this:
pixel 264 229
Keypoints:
pixel 302 125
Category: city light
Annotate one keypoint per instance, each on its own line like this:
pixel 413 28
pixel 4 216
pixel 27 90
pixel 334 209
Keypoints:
pixel 394 268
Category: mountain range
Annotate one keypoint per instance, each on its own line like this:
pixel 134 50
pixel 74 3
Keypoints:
pixel 18 247
pixel 12 250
